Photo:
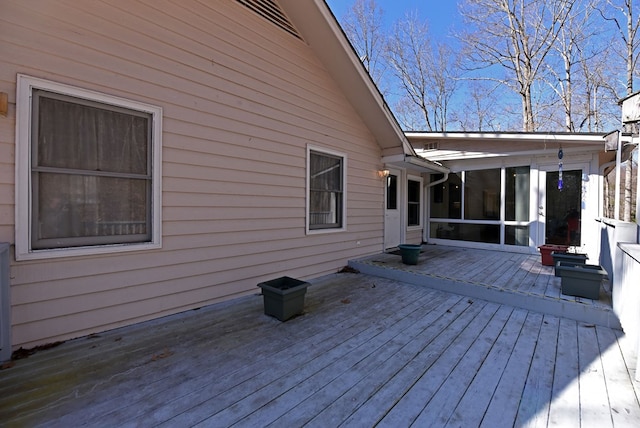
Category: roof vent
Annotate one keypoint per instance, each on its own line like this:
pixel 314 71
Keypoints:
pixel 270 11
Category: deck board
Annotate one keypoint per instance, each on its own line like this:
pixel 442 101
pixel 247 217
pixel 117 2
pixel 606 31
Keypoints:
pixel 505 401
pixel 433 359
pixel 619 385
pixel 533 409
pixel 425 389
pixel 565 393
pixel 471 409
pixel 367 351
pixel 595 408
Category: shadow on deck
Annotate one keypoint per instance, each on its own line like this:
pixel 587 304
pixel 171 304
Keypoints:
pixel 514 279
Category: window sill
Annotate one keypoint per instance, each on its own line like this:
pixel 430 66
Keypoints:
pixel 324 231
pixel 84 251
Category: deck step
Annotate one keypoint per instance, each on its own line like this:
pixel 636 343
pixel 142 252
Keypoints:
pixel 574 309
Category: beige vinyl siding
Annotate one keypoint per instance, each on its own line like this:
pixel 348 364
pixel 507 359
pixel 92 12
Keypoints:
pixel 7 155
pixel 414 236
pixel 241 100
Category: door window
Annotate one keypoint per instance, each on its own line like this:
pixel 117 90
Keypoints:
pixel 563 217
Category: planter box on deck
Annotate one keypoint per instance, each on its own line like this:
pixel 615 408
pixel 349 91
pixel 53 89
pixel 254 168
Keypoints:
pixel 283 297
pixel 581 280
pixel 547 249
pixel 569 259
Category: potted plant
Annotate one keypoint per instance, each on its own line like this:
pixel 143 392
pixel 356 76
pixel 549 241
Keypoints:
pixel 410 253
pixel 283 297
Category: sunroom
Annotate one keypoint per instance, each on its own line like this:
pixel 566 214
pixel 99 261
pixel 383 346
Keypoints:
pixel 513 191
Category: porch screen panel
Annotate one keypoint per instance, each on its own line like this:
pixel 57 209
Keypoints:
pixel 516 235
pixel 446 198
pixel 482 195
pixel 517 183
pixel 489 233
pixel 517 194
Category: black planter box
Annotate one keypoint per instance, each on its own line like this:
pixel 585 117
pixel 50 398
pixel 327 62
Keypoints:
pixel 570 259
pixel 581 280
pixel 283 297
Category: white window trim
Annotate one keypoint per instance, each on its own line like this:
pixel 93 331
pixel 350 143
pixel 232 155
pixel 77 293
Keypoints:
pixel 420 225
pixel 313 148
pixel 25 86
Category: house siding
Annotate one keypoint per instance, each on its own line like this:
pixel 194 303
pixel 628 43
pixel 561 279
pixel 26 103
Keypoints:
pixel 241 101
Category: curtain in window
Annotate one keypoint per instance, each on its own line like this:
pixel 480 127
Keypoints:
pixel 325 207
pixel 91 174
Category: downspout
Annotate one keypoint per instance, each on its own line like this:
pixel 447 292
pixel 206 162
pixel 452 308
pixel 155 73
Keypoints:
pixel 442 180
pixel 616 205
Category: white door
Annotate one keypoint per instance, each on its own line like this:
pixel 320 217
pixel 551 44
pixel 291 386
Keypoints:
pixel 560 207
pixel 392 212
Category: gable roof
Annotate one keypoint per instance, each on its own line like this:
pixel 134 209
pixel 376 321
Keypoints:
pixel 319 28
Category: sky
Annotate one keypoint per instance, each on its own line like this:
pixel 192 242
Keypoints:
pixel 440 14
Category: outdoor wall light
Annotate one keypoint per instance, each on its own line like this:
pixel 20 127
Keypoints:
pixel 383 173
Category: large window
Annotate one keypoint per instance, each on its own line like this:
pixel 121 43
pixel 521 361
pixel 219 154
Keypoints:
pixel 489 206
pixel 326 181
pixel 88 170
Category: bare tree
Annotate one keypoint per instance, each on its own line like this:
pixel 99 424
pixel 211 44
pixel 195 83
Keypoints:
pixel 628 31
pixel 481 109
pixel 598 96
pixel 424 71
pixel 516 35
pixel 362 24
pixel 574 45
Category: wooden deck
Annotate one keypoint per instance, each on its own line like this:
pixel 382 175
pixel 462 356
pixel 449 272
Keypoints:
pixel 514 279
pixel 368 351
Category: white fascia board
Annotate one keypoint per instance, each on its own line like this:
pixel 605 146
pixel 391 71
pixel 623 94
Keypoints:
pixel 500 136
pixel 415 163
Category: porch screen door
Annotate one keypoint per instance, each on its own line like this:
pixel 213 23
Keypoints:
pixel 561 209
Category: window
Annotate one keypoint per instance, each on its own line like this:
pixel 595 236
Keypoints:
pixel 414 204
pixel 326 183
pixel 392 192
pixel 489 205
pixel 88 171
